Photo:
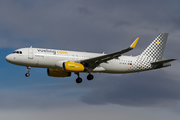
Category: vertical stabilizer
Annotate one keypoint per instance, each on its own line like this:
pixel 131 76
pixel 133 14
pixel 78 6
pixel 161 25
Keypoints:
pixel 154 51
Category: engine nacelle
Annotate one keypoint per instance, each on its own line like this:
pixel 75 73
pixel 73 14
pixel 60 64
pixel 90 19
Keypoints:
pixel 57 73
pixel 73 67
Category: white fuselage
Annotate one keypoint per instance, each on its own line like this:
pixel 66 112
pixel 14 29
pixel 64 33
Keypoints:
pixel 48 58
pixel 61 63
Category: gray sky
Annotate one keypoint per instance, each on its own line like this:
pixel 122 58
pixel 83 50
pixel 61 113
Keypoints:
pixel 97 26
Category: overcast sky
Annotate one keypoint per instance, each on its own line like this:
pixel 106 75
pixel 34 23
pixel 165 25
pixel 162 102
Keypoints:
pixel 96 26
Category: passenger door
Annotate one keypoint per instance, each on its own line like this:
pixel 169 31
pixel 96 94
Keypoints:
pixel 30 53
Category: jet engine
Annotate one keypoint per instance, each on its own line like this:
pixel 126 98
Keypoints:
pixel 73 67
pixel 57 73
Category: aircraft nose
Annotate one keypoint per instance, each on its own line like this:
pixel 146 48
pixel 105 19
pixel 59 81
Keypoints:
pixel 8 58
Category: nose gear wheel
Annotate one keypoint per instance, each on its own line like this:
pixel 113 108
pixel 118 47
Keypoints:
pixel 28 70
pixel 27 74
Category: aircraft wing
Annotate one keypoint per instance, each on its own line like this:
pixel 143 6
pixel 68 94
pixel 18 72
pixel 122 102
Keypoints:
pixel 107 57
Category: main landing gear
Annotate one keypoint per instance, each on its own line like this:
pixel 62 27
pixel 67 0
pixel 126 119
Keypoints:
pixel 28 70
pixel 90 77
pixel 79 80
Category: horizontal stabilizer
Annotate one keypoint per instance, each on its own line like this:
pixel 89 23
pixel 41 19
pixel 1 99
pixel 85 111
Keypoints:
pixel 163 61
pixel 161 64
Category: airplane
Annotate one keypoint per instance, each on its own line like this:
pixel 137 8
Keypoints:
pixel 61 63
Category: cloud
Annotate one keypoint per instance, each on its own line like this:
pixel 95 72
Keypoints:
pixel 86 25
pixel 153 88
pixel 58 24
pixel 97 26
pixel 49 98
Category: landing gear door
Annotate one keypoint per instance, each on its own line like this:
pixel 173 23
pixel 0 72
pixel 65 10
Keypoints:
pixel 30 53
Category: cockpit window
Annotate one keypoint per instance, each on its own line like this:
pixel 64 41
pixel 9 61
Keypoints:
pixel 18 52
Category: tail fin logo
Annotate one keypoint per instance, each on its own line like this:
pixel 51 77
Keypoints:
pixel 156 48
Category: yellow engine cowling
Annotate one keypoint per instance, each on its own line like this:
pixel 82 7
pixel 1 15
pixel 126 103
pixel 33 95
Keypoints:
pixel 57 73
pixel 73 67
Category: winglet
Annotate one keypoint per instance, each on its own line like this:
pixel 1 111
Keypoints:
pixel 134 43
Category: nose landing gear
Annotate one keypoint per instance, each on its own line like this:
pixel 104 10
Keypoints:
pixel 28 70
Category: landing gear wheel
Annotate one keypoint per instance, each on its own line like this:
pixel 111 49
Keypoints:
pixel 27 74
pixel 28 70
pixel 90 77
pixel 79 80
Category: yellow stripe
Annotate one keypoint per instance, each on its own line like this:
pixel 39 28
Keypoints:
pixel 134 43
